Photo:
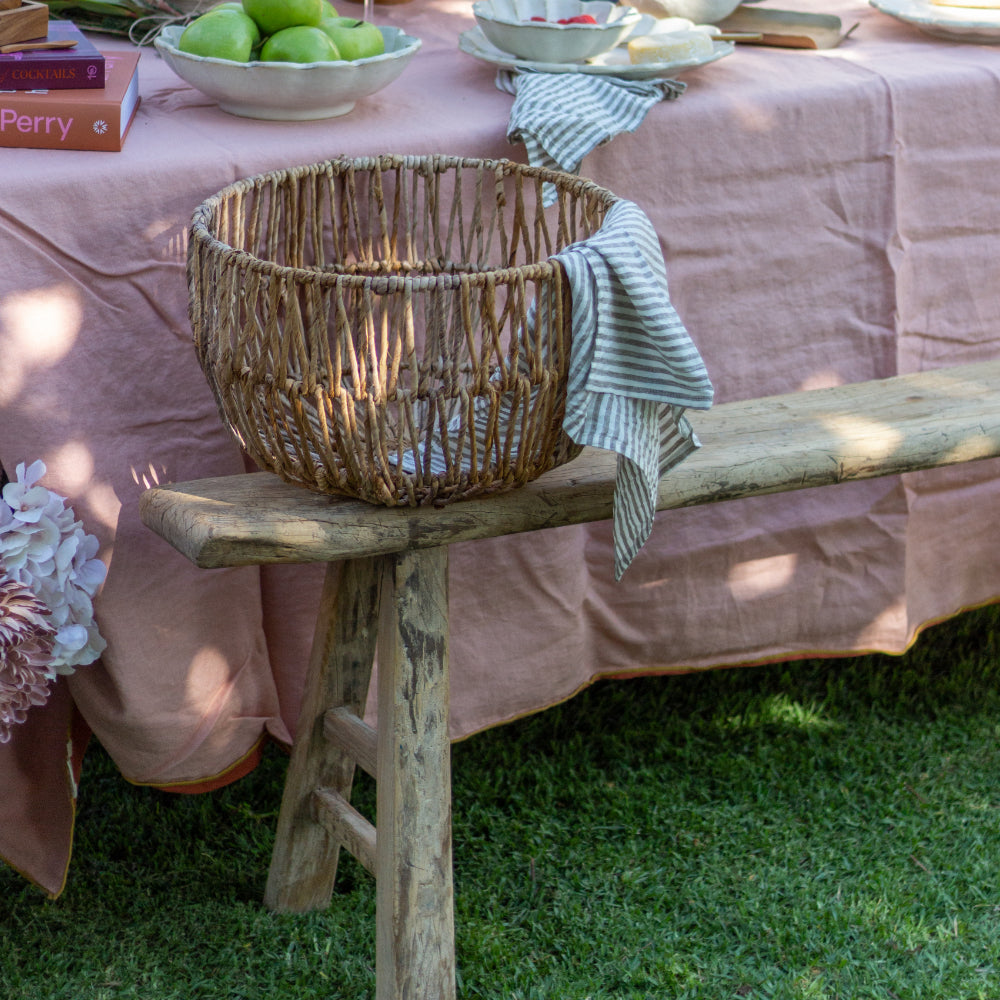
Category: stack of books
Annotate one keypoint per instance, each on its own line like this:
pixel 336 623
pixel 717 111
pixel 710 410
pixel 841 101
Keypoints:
pixel 60 92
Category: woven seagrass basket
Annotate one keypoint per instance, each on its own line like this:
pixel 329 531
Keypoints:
pixel 392 328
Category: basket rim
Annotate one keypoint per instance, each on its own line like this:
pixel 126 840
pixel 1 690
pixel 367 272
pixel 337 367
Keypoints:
pixel 200 232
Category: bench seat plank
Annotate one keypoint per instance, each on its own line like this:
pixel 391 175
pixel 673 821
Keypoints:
pixel 769 445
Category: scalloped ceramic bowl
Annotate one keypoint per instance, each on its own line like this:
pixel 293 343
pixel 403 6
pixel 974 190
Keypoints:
pixel 289 91
pixel 508 25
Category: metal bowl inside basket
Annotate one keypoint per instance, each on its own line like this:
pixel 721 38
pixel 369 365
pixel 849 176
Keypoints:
pixel 509 26
pixel 393 328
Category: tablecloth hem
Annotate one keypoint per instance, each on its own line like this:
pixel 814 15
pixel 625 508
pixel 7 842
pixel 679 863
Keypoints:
pixel 787 657
pixel 240 768
pixel 78 735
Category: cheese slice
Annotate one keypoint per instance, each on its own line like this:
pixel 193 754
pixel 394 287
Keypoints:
pixel 674 46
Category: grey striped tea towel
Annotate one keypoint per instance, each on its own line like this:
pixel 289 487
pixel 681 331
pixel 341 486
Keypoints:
pixel 633 367
pixel 561 117
pixel 633 371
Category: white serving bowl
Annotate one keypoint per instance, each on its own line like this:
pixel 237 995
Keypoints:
pixel 508 25
pixel 289 91
pixel 699 11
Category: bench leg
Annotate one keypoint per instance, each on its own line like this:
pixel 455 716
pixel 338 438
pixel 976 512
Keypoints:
pixel 304 861
pixel 415 940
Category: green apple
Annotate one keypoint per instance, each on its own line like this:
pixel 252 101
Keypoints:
pixel 220 34
pixel 300 43
pixel 273 15
pixel 354 39
pixel 237 5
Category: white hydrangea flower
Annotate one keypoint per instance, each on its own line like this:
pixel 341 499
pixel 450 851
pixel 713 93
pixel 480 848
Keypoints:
pixel 26 500
pixel 45 549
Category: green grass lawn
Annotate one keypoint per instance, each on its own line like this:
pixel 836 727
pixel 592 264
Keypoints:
pixel 821 829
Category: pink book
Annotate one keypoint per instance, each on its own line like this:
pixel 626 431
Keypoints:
pixel 75 119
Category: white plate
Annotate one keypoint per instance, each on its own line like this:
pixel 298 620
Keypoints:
pixel 613 63
pixel 963 24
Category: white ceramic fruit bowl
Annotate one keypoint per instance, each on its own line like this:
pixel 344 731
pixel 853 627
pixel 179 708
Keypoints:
pixel 289 91
pixel 509 26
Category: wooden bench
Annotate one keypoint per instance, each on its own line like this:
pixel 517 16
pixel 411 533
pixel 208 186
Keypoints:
pixel 391 592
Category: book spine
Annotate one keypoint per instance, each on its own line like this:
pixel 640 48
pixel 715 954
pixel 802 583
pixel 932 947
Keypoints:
pixel 56 125
pixel 66 73
pixel 61 119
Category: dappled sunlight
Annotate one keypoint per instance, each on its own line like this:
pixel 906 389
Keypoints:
pixel 209 689
pixel 198 706
pixel 157 227
pixel 783 710
pixel 847 53
pixel 176 238
pixel 40 328
pixel 826 379
pixel 945 418
pixel 103 503
pixel 76 465
pixel 148 477
pixel 758 577
pixel 756 117
pixel 454 7
pixel 209 681
pixel 971 448
pixel 907 931
pixel 881 440
pixel 891 621
pixel 77 471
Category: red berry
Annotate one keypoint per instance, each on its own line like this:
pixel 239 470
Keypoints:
pixel 537 18
pixel 580 19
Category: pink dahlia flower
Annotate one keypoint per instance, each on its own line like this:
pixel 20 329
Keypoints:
pixel 26 639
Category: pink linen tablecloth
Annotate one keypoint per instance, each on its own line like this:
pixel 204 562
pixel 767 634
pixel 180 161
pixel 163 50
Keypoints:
pixel 826 217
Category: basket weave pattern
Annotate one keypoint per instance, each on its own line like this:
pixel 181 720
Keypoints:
pixel 391 328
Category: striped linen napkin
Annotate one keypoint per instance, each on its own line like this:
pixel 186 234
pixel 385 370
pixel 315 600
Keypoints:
pixel 633 371
pixel 633 367
pixel 561 117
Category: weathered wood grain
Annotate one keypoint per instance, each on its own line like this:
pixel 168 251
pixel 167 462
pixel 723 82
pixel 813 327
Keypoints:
pixel 304 859
pixel 346 826
pixel 414 896
pixel 768 445
pixel 353 735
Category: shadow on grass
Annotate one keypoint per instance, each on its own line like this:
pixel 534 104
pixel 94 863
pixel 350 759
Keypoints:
pixel 815 829
pixel 823 828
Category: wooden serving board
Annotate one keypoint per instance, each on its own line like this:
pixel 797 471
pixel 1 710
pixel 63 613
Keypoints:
pixel 969 4
pixel 786 28
pixel 23 21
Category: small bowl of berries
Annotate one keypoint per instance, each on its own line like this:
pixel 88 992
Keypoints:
pixel 555 31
